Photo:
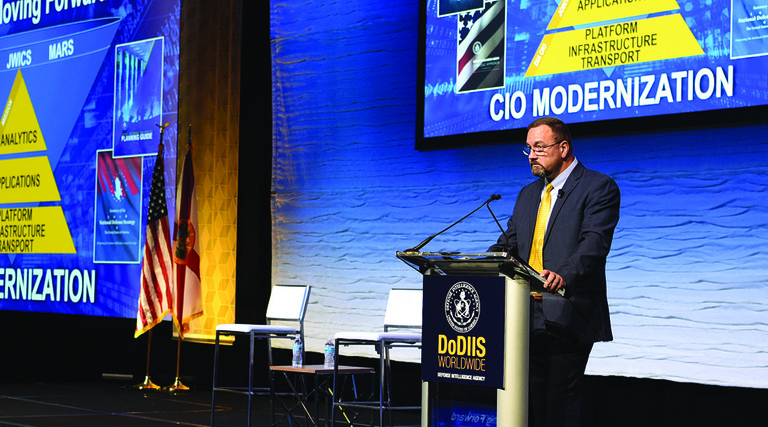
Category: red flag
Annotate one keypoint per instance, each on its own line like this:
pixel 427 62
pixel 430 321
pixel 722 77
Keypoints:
pixel 154 297
pixel 188 297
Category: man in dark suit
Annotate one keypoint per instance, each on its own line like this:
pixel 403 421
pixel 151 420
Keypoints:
pixel 563 224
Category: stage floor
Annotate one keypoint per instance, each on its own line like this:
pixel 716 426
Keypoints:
pixel 110 403
pixel 114 404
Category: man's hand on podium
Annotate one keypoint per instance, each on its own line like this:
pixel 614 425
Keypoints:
pixel 553 282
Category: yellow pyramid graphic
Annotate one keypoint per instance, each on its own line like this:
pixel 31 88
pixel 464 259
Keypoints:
pixel 603 37
pixel 19 129
pixel 40 230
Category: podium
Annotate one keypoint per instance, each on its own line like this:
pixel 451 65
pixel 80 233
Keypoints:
pixel 476 328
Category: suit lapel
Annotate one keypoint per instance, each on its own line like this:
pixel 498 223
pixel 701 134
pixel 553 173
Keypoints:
pixel 570 184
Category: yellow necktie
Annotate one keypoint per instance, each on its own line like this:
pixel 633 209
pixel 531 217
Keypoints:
pixel 536 259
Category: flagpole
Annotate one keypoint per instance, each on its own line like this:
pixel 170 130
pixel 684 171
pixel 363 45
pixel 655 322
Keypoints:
pixel 147 384
pixel 154 296
pixel 177 385
pixel 186 259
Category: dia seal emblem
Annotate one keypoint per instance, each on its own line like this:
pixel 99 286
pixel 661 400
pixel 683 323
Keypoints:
pixel 476 47
pixel 462 307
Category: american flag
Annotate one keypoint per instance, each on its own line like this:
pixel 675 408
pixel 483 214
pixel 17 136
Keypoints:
pixel 154 298
pixel 188 297
pixel 480 62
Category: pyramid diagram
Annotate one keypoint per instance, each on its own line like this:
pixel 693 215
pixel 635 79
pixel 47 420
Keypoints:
pixel 27 180
pixel 590 34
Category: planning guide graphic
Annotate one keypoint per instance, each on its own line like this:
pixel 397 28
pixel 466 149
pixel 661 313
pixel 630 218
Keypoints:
pixel 608 33
pixel 47 77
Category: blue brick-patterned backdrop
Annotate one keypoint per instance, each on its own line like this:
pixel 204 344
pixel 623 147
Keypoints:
pixel 688 271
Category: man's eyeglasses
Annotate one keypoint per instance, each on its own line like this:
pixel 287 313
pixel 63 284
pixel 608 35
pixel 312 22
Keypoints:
pixel 539 149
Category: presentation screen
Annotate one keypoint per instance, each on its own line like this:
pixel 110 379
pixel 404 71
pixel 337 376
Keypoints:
pixel 85 86
pixel 493 65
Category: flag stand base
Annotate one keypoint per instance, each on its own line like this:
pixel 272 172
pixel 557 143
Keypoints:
pixel 177 386
pixel 147 385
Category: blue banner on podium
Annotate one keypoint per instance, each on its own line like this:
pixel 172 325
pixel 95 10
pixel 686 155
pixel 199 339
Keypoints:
pixel 463 330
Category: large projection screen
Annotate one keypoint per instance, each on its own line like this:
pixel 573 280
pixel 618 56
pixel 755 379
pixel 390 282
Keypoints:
pixel 493 65
pixel 84 85
pixel 688 266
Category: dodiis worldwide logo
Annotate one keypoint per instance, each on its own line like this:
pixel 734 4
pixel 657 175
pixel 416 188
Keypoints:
pixel 462 307
pixel 461 357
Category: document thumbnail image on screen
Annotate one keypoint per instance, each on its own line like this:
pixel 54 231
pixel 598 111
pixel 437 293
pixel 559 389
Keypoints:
pixel 138 97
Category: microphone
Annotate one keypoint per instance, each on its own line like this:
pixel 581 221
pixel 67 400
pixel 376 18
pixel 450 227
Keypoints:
pixel 429 239
pixel 560 193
